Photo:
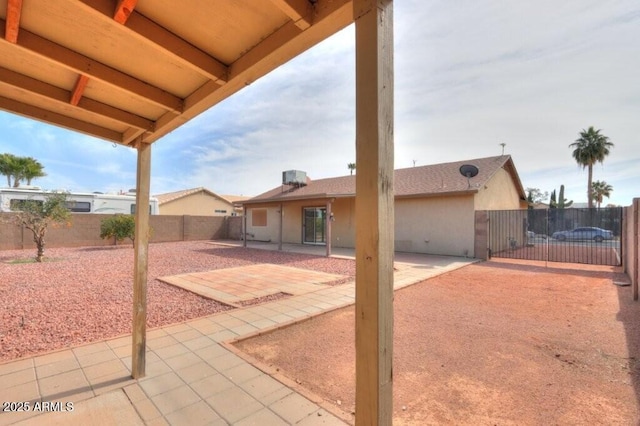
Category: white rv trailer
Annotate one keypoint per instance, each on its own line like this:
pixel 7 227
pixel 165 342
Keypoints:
pixel 77 202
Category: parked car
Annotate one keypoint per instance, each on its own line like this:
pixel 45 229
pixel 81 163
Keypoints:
pixel 584 233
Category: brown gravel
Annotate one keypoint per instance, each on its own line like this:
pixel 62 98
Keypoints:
pixel 495 343
pixel 85 294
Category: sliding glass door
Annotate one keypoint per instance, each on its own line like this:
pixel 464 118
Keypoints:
pixel 313 227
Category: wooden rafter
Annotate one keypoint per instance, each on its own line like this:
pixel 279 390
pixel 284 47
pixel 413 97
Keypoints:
pixel 12 26
pixel 62 96
pixel 94 69
pixel 78 89
pixel 161 38
pixel 300 11
pixel 123 10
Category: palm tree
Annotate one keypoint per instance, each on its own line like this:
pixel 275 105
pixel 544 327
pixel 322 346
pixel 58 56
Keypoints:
pixel 8 166
pixel 599 190
pixel 589 148
pixel 352 167
pixel 32 169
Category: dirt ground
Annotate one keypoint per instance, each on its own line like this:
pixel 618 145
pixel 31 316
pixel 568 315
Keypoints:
pixel 495 343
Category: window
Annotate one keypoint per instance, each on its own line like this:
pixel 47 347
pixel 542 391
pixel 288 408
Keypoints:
pixel 259 217
pixel 79 206
pixel 133 209
pixel 18 205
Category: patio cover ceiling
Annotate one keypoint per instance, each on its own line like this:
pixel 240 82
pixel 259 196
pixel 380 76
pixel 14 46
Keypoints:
pixel 131 71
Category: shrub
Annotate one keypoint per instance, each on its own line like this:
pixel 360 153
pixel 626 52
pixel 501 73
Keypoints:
pixel 120 226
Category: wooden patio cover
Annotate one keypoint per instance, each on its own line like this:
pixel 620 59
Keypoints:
pixel 130 71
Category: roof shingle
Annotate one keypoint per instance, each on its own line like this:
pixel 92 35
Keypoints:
pixel 436 179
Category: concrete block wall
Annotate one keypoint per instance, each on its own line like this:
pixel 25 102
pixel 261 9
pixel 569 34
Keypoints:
pixel 84 230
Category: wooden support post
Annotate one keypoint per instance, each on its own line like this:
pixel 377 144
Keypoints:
pixel 141 251
pixel 635 210
pixel 244 226
pixel 374 211
pixel 280 230
pixel 327 232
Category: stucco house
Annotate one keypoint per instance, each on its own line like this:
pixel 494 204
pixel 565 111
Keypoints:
pixel 434 207
pixel 198 202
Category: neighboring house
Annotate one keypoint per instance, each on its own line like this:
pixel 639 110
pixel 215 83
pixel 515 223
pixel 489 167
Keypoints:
pixel 196 202
pixel 434 207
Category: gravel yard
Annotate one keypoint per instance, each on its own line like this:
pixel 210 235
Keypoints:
pixel 82 295
pixel 494 343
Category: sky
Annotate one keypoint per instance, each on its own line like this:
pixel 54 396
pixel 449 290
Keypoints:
pixel 469 76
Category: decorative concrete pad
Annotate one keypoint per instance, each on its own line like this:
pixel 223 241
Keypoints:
pixel 113 408
pixel 235 285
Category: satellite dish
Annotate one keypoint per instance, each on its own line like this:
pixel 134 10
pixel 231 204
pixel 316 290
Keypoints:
pixel 468 170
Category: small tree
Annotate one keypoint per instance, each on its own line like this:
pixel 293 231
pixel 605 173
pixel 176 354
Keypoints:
pixel 120 226
pixel 351 167
pixel 36 216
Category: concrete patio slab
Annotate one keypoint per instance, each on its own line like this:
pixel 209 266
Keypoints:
pixel 191 377
pixel 236 285
pixel 112 408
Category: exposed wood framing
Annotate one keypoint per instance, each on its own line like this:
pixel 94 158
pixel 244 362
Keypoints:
pixel 48 91
pixel 78 89
pixel 12 26
pixel 94 69
pixel 280 226
pixel 123 10
pixel 160 37
pixel 300 11
pixel 328 224
pixel 374 211
pixel 46 116
pixel 244 226
pixel 141 259
pixel 635 241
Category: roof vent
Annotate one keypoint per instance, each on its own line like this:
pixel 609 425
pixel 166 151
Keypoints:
pixel 294 177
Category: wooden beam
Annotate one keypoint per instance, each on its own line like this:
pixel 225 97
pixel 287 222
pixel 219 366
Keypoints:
pixel 374 211
pixel 163 39
pixel 12 26
pixel 300 11
pixel 84 65
pixel 635 210
pixel 327 233
pixel 123 10
pixel 54 93
pixel 57 119
pixel 141 258
pixel 280 226
pixel 78 89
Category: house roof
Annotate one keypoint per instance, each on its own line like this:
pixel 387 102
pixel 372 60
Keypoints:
pixel 131 71
pixel 172 196
pixel 423 181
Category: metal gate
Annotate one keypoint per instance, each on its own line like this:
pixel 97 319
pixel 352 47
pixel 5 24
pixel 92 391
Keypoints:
pixel 590 236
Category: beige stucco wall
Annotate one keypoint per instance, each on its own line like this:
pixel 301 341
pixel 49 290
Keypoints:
pixel 435 225
pixel 198 204
pixel 498 194
pixel 342 231
pixel 439 225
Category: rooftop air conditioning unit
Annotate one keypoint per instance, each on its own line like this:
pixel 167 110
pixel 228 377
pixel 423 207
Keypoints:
pixel 294 177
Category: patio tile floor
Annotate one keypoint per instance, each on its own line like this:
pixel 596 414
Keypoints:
pixel 191 378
